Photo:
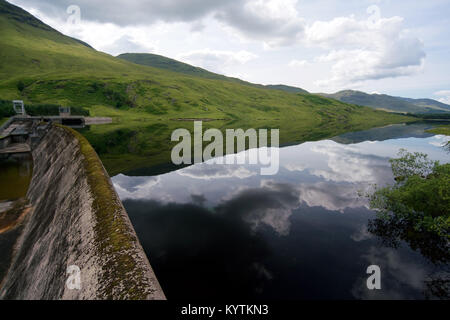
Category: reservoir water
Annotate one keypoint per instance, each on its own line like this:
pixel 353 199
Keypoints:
pixel 225 231
pixel 15 178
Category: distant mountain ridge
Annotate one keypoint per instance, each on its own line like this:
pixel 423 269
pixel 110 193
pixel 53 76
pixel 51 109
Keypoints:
pixel 390 103
pixel 161 62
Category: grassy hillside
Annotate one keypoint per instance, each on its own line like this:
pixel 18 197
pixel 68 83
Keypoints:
pixel 42 66
pixel 286 88
pixel 389 103
pixel 157 61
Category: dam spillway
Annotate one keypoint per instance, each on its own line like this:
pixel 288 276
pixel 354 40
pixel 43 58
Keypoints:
pixel 75 218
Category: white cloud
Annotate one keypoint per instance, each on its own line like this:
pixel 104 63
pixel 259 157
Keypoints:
pixel 440 140
pixel 134 187
pixel 399 272
pixel 362 234
pixel 127 44
pixel 346 164
pixel 296 167
pixel 207 171
pixel 444 96
pixel 361 50
pixel 298 63
pixel 216 60
pixel 350 50
pixel 275 22
pixel 331 196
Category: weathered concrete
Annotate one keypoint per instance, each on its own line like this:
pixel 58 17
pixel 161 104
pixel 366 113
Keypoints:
pixel 69 225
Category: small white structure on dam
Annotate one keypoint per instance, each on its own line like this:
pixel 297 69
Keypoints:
pixel 19 107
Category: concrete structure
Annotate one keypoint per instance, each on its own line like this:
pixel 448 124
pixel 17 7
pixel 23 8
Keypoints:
pixel 19 107
pixel 64 112
pixel 76 220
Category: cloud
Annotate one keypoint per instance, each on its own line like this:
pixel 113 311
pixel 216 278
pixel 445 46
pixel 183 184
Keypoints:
pixel 296 167
pixel 361 50
pixel 440 141
pixel 362 234
pixel 270 205
pixel 207 171
pixel 400 278
pixel 331 196
pixel 129 45
pixel 134 12
pixel 216 60
pixel 444 96
pixel 276 22
pixel 298 63
pixel 134 187
pixel 190 241
pixel 355 50
pixel 346 164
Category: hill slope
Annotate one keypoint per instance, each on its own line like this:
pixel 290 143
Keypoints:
pixel 385 102
pixel 161 62
pixel 39 64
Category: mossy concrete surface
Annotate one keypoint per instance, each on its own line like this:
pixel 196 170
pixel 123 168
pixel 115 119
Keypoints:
pixel 76 219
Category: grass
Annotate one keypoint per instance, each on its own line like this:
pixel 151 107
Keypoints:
pixel 3 120
pixel 444 129
pixel 40 65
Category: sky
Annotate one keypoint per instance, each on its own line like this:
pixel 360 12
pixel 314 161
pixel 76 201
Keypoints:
pixel 396 47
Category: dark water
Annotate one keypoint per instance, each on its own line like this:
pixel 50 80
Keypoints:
pixel 225 231
pixel 15 177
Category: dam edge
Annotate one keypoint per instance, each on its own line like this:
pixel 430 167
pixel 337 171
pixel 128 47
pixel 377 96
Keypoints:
pixel 76 219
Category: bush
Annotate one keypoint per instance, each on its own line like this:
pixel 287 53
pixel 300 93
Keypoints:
pixel 6 109
pixel 20 86
pixel 416 209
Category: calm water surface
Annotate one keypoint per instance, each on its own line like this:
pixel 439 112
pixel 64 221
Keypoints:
pixel 214 231
pixel 15 177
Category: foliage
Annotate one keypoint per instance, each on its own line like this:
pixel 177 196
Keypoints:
pixel 6 109
pixel 20 86
pixel 412 164
pixel 434 116
pixel 416 209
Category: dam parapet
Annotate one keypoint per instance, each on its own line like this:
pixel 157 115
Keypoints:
pixel 76 221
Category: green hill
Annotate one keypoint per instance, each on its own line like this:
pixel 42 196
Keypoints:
pixel 42 66
pixel 161 62
pixel 286 88
pixel 389 103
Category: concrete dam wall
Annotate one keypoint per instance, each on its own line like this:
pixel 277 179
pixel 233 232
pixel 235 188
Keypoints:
pixel 76 219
